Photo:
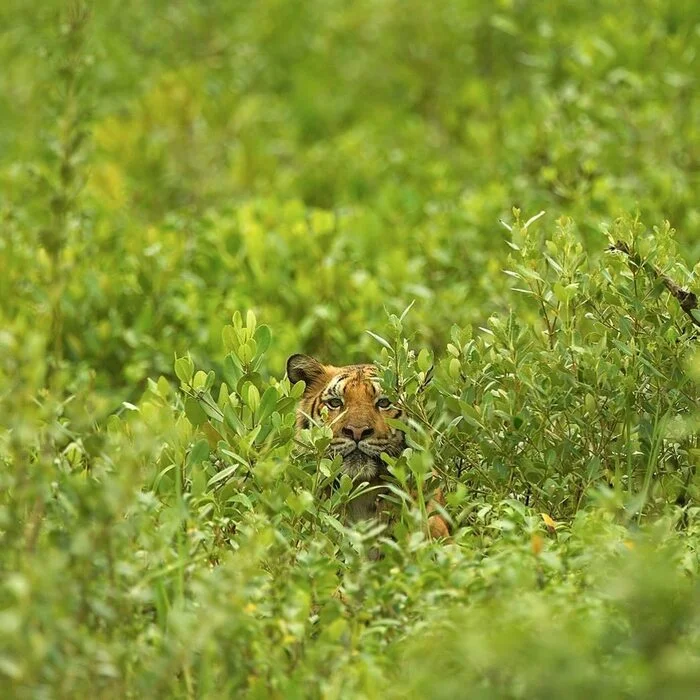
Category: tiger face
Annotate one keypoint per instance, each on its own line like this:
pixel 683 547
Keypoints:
pixel 349 399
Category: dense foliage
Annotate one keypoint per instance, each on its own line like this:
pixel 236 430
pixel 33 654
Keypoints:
pixel 502 193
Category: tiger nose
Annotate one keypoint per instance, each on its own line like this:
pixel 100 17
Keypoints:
pixel 357 433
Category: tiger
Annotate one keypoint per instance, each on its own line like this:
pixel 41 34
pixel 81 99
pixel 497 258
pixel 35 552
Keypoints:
pixel 351 401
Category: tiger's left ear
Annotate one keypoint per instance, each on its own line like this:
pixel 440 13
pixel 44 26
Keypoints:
pixel 302 368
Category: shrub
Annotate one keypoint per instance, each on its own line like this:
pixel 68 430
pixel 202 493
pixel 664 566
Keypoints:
pixel 334 169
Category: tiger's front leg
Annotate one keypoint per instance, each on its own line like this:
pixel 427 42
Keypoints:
pixel 437 525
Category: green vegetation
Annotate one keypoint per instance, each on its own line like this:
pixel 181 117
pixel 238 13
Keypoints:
pixel 192 191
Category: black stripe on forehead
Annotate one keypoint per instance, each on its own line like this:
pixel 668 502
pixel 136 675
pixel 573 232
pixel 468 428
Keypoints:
pixel 336 386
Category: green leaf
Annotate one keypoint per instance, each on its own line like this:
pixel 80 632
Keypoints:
pixel 267 403
pixel 297 390
pixel 247 351
pixel 232 370
pixel 163 387
pixel 406 310
pixel 253 397
pixel 380 340
pixel 206 403
pixel 286 404
pixel 263 338
pixel 250 321
pixel 164 477
pixel 223 396
pixel 424 360
pixel 194 412
pixel 199 481
pixel 232 421
pixel 184 369
pixel 198 453
pixel 230 340
pixel 222 475
pixel 242 499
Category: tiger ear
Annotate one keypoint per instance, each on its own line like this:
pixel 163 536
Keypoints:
pixel 302 368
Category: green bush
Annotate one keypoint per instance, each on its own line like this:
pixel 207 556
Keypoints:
pixel 192 192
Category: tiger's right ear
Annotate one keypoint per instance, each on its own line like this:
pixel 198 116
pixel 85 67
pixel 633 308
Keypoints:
pixel 302 368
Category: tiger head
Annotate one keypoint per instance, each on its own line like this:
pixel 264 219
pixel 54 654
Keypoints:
pixel 349 399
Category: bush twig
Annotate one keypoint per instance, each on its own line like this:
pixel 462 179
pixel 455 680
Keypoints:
pixel 688 300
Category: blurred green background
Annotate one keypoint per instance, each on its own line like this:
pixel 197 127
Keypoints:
pixel 319 161
pixel 324 164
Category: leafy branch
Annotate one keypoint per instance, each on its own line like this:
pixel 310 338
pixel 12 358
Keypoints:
pixel 688 300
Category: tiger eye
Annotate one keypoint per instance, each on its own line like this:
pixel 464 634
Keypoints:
pixel 383 403
pixel 333 403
